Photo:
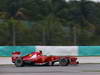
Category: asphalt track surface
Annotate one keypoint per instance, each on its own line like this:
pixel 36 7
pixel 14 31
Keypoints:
pixel 81 69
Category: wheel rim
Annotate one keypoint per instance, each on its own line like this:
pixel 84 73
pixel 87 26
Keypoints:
pixel 19 63
pixel 64 62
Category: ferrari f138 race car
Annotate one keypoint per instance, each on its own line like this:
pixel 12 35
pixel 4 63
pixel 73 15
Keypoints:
pixel 40 59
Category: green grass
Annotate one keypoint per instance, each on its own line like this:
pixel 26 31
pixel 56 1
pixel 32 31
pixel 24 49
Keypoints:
pixel 91 71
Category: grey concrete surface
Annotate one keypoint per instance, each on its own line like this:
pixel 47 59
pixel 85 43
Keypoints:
pixel 81 69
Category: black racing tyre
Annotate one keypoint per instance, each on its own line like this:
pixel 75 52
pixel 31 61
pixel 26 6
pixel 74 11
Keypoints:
pixel 19 62
pixel 64 62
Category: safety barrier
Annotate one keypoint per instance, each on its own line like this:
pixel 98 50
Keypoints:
pixel 53 50
pixel 59 50
pixel 7 50
pixel 89 51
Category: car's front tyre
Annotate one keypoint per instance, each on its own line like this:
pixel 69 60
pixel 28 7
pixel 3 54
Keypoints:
pixel 64 62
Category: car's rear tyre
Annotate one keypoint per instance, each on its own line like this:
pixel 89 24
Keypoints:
pixel 19 62
pixel 64 62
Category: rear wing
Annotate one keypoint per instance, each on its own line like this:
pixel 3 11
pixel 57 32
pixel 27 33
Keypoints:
pixel 16 54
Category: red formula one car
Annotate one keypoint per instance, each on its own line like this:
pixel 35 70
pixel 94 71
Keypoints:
pixel 40 59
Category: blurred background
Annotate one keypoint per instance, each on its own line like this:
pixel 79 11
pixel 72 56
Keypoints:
pixel 50 22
